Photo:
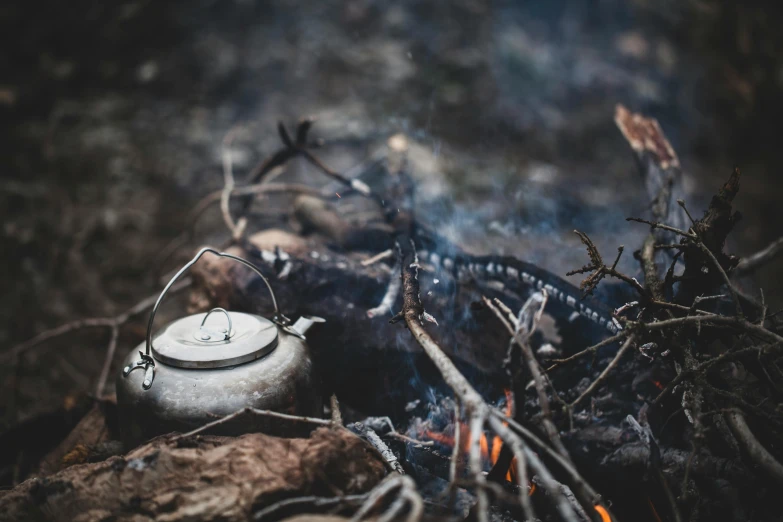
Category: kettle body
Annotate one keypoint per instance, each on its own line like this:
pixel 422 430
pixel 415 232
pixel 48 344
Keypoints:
pixel 198 370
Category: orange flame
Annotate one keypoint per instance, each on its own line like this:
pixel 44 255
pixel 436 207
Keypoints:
pixel 484 446
pixel 493 453
pixel 511 474
pixel 488 453
pixel 603 512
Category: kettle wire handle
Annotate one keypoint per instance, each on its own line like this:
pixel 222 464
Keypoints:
pixel 278 317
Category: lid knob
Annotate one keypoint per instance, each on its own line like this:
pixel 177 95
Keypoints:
pixel 207 334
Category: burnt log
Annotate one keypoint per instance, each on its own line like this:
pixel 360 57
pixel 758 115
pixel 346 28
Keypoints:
pixel 93 439
pixel 199 478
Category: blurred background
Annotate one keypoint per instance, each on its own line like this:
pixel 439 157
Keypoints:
pixel 112 116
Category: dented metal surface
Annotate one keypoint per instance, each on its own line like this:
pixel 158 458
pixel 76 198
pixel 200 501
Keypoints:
pixel 182 399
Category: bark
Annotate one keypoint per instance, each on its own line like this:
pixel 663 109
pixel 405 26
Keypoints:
pixel 199 478
pixel 90 441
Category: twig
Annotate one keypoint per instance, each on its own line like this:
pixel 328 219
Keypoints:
pixel 405 438
pixel 115 332
pixel 652 281
pixel 598 269
pixel 388 455
pixel 589 350
pixel 392 291
pixel 457 445
pixel 706 365
pixel 476 427
pixel 99 322
pixel 753 448
pixel 602 377
pixel 251 411
pixel 63 329
pixel 378 257
pixel 354 184
pixel 723 274
pixel 745 405
pixel 662 226
pixel 753 262
pixel 715 319
pixel 214 197
pixel 311 502
pixel 407 493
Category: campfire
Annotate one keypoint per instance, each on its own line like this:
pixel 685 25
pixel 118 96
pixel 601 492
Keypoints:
pixel 442 383
pixel 490 450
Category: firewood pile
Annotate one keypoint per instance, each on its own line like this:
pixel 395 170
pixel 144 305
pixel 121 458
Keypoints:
pixel 462 386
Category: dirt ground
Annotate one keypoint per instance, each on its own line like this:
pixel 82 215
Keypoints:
pixel 112 116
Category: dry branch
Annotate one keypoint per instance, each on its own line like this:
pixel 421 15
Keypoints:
pixel 113 323
pixel 753 262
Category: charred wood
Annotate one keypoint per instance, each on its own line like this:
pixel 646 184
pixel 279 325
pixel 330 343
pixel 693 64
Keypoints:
pixel 203 477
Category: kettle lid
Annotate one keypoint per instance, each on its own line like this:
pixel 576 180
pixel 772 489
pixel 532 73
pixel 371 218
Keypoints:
pixel 191 342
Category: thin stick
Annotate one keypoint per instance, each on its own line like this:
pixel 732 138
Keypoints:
pixel 115 332
pixel 753 262
pixel 254 411
pixel 706 365
pixel 405 438
pixel 495 310
pixel 602 377
pixel 392 291
pixel 455 452
pixel 63 329
pixel 753 448
pixel 655 224
pixel 388 455
pixel 407 493
pixel 310 502
pixel 476 424
pixel 725 276
pixel 214 197
pixel 606 342
pixel 97 322
pixel 378 257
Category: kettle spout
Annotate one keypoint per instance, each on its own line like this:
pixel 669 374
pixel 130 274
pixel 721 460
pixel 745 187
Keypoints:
pixel 305 322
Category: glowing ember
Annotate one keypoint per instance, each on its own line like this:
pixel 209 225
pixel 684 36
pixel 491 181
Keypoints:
pixel 654 511
pixel 604 513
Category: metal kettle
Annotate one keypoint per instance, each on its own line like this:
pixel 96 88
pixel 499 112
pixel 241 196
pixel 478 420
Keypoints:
pixel 197 370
